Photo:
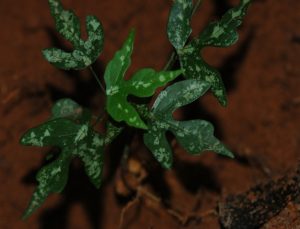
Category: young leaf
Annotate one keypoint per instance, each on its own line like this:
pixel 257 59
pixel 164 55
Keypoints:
pixel 67 108
pixel 218 34
pixel 85 52
pixel 179 28
pixel 74 140
pixel 142 84
pixel 195 136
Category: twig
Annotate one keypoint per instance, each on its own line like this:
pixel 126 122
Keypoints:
pixel 127 207
pixel 196 6
pixel 97 79
pixel 98 119
pixel 171 61
pixel 181 217
pixel 184 219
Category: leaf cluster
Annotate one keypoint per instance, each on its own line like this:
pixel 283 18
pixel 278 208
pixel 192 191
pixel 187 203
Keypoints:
pixel 70 126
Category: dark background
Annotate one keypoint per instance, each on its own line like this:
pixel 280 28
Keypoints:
pixel 261 123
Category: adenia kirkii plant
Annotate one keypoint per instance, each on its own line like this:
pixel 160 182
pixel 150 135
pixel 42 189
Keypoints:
pixel 71 127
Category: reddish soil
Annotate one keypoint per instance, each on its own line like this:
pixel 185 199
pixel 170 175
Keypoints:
pixel 261 123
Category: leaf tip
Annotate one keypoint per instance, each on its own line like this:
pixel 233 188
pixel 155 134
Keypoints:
pixel 167 166
pixel 96 182
pixel 132 32
pixel 25 215
pixel 143 126
pixel 22 140
pixel 227 153
pixel 231 155
pixel 224 103
pixel 26 138
pixel 222 100
pixel 28 212
pixel 45 53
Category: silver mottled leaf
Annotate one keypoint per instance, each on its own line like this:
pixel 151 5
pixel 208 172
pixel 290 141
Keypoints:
pixel 179 28
pixel 74 140
pixel 85 52
pixel 195 136
pixel 67 108
pixel 222 33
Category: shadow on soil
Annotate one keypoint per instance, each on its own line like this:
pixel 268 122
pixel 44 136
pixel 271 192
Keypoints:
pixel 194 176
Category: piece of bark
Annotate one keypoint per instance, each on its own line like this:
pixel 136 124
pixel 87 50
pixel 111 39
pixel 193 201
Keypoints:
pixel 288 218
pixel 255 207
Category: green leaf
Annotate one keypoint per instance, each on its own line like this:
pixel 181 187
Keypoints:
pixel 179 28
pixel 142 84
pixel 195 67
pixel 67 108
pixel 85 52
pixel 218 34
pixel 195 136
pixel 112 132
pixel 66 22
pixel 74 140
pixel 224 33
pixel 52 178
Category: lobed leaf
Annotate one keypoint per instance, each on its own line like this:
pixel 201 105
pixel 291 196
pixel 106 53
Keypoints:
pixel 66 22
pixel 74 140
pixel 221 33
pixel 52 178
pixel 178 28
pixel 194 136
pixel 142 84
pixel 91 154
pixel 194 67
pixel 85 52
pixel 67 108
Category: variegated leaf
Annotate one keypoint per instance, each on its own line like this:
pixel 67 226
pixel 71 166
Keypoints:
pixel 219 34
pixel 74 140
pixel 67 108
pixel 224 33
pixel 195 67
pixel 194 136
pixel 179 28
pixel 142 84
pixel 52 178
pixel 85 52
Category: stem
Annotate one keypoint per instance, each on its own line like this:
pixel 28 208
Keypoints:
pixel 97 79
pixel 196 7
pixel 99 119
pixel 171 61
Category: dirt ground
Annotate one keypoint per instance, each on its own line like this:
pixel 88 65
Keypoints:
pixel 261 123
